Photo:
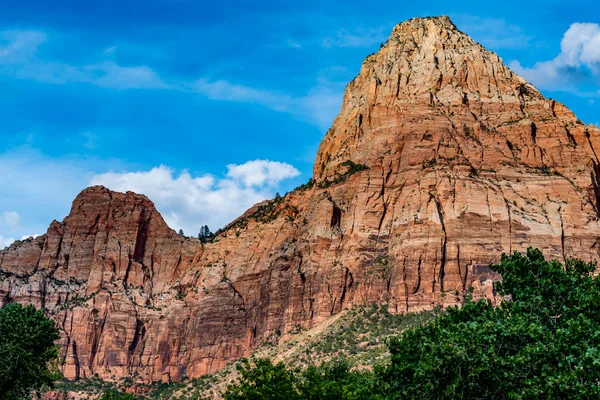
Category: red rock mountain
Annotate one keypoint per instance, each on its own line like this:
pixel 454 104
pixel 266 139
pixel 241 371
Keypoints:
pixel 440 160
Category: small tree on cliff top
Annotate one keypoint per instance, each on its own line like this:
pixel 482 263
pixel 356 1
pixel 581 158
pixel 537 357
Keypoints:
pixel 28 355
pixel 205 234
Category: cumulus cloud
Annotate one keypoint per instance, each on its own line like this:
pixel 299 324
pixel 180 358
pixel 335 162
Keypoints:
pixel 261 172
pixel 578 62
pixel 187 202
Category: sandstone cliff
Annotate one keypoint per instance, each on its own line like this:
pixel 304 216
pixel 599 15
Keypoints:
pixel 440 160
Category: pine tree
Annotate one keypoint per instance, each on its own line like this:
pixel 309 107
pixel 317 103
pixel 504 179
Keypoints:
pixel 205 234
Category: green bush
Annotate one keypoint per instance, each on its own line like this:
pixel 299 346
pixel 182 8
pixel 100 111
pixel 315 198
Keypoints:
pixel 28 355
pixel 116 395
pixel 263 381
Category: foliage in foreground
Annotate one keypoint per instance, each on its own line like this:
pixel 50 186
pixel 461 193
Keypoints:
pixel 543 342
pixel 263 380
pixel 28 355
pixel 116 395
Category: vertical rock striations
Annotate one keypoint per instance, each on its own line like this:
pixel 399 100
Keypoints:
pixel 440 160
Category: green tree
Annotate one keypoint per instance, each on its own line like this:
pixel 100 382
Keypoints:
pixel 28 355
pixel 335 381
pixel 330 381
pixel 263 381
pixel 205 234
pixel 543 342
pixel 181 232
pixel 116 395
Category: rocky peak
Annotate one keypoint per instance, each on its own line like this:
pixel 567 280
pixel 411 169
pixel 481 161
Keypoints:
pixel 428 70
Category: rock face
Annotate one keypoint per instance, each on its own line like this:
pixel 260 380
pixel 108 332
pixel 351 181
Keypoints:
pixel 440 160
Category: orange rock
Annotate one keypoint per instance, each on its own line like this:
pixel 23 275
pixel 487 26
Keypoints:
pixel 464 161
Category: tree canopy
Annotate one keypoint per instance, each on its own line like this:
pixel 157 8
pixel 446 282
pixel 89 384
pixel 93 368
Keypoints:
pixel 541 342
pixel 261 380
pixel 28 355
pixel 116 395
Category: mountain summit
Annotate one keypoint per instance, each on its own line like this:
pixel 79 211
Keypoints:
pixel 440 160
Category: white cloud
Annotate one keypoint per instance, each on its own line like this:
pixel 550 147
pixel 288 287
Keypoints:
pixel 581 46
pixel 188 202
pixel 261 172
pixel 578 60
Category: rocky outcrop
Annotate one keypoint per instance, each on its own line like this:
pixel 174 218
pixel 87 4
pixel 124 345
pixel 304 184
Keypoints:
pixel 440 160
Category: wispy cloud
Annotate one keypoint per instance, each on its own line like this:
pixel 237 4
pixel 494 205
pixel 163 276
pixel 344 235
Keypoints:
pixel 90 140
pixel 10 219
pixel 293 44
pixel 494 33
pixel 577 64
pixel 357 38
pixel 319 106
pixel 19 58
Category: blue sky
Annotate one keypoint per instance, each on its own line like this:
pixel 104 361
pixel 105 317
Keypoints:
pixel 208 107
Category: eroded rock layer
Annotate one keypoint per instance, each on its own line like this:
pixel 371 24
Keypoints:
pixel 440 160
